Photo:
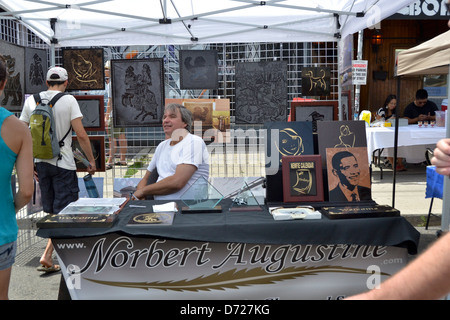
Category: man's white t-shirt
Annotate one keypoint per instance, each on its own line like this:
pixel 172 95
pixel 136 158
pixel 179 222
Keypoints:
pixel 191 150
pixel 64 111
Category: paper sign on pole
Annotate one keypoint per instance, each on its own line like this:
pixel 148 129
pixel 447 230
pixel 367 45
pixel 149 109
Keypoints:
pixel 359 72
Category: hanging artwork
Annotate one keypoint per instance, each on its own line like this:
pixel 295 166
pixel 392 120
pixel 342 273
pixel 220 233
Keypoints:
pixel 314 111
pixel 92 108
pixel 199 69
pixel 98 150
pixel 316 81
pixel 36 67
pixel 261 92
pixel 13 94
pixel 85 68
pixel 137 92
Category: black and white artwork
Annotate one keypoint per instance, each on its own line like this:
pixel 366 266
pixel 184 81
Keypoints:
pixel 314 111
pixel 13 94
pixel 199 69
pixel 36 67
pixel 137 92
pixel 261 92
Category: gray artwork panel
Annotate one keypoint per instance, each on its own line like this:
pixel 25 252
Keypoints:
pixel 36 66
pixel 137 92
pixel 12 96
pixel 91 115
pixel 199 69
pixel 261 92
pixel 314 114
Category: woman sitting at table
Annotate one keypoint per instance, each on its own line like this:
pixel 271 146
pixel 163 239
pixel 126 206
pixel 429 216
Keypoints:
pixel 384 113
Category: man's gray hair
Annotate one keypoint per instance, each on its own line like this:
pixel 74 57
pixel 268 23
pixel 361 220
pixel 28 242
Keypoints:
pixel 186 115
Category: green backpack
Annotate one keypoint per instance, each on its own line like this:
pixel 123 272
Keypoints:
pixel 43 130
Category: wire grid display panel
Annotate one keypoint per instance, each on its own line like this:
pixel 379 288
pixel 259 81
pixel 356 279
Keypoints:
pixel 234 158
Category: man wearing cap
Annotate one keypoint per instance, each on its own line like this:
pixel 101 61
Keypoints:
pixel 57 178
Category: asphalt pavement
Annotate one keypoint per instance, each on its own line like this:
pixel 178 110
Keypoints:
pixel 29 284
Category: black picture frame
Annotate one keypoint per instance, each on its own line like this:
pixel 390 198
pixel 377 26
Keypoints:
pixel 12 97
pixel 199 69
pixel 261 92
pixel 302 179
pixel 85 68
pixel 137 92
pixel 98 149
pixel 93 110
pixel 316 81
pixel 36 66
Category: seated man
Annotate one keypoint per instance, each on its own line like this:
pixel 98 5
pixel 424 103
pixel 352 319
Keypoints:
pixel 420 109
pixel 180 159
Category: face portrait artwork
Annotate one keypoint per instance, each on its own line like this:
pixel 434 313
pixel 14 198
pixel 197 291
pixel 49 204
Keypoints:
pixel 348 174
pixel 290 143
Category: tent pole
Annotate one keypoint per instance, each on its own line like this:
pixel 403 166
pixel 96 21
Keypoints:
pixel 394 165
pixel 340 111
pixel 358 57
pixel 445 217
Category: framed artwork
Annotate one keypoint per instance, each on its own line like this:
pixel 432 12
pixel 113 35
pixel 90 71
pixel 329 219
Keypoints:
pixel 12 97
pixel 302 178
pixel 348 174
pixel 199 69
pixel 85 68
pixel 98 148
pixel 201 111
pixel 340 134
pixel 261 92
pixel 36 67
pixel 316 81
pixel 137 92
pixel 314 111
pixel 93 109
pixel 395 49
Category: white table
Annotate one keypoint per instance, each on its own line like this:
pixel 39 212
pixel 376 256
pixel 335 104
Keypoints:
pixel 412 141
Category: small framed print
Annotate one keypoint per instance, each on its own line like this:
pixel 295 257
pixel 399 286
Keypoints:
pixel 302 178
pixel 98 149
pixel 92 108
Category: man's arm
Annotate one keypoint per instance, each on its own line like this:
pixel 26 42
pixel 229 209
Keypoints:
pixel 426 277
pixel 168 185
pixel 85 144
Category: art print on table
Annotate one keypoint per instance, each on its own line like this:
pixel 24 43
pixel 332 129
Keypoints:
pixel 36 67
pixel 261 92
pixel 348 174
pixel 85 68
pixel 314 111
pixel 98 149
pixel 13 95
pixel 340 134
pixel 316 81
pixel 302 178
pixel 92 108
pixel 199 69
pixel 137 92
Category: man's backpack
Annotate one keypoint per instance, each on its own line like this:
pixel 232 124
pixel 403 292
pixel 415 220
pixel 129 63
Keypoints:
pixel 43 129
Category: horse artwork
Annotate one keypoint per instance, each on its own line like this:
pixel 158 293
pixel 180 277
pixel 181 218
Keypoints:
pixel 12 97
pixel 138 92
pixel 261 92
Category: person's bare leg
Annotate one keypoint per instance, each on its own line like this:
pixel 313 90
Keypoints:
pixel 5 277
pixel 46 258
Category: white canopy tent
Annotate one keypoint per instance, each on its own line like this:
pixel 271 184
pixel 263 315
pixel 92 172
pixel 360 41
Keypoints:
pixel 431 57
pixel 133 22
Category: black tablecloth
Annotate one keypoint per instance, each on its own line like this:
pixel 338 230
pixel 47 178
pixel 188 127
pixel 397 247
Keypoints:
pixel 257 227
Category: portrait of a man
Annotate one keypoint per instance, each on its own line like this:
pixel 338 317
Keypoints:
pixel 348 175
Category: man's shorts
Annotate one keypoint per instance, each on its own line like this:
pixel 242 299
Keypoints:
pixel 59 186
pixel 7 255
